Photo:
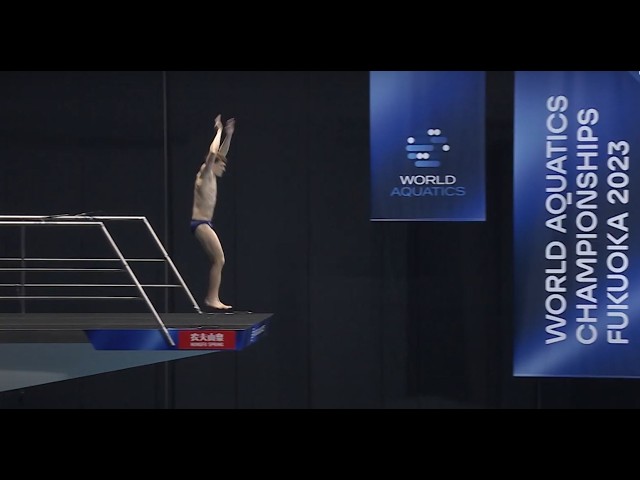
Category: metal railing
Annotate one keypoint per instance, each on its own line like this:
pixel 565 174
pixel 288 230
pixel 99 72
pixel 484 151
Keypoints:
pixel 84 220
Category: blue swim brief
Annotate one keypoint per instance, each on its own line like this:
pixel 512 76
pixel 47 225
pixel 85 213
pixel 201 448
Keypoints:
pixel 196 223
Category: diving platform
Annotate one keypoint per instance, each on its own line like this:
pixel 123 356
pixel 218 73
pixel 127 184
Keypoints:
pixel 39 348
pixel 44 348
pixel 188 331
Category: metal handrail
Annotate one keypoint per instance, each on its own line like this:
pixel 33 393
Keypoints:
pixel 86 220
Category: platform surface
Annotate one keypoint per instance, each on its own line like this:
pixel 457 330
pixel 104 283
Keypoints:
pixel 135 331
pixel 40 348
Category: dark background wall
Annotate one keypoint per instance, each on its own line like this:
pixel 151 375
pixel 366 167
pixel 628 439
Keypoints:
pixel 367 315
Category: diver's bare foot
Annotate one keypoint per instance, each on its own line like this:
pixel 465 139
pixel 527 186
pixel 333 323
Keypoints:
pixel 217 307
pixel 218 122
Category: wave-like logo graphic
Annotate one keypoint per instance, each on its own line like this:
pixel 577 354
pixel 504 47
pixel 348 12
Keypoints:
pixel 427 151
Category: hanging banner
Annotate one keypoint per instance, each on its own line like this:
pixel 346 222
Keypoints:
pixel 575 217
pixel 427 138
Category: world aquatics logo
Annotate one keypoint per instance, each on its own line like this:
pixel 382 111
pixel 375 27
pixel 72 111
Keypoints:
pixel 427 151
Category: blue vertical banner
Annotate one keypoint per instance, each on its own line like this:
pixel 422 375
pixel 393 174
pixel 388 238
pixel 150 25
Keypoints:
pixel 427 138
pixel 575 220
